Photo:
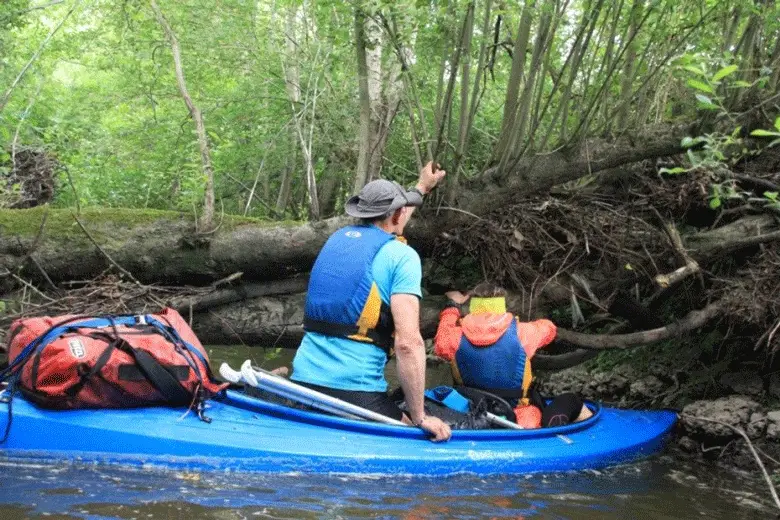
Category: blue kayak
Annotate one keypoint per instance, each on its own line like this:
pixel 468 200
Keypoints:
pixel 253 435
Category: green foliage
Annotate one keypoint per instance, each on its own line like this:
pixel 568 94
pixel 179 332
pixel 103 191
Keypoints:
pixel 769 133
pixel 103 98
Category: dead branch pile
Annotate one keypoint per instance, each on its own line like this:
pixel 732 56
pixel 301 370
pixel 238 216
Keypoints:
pixel 30 179
pixel 753 294
pixel 588 245
pixel 108 294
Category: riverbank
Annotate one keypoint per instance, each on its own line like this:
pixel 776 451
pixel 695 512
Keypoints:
pixel 727 398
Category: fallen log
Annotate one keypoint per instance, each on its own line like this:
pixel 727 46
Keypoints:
pixel 277 321
pixel 156 246
pixel 240 293
pixel 161 247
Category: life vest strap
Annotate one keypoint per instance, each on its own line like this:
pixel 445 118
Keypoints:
pixel 383 340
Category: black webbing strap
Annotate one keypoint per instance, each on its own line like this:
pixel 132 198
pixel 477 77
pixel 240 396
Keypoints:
pixel 158 375
pixel 134 373
pixel 378 338
pixel 96 368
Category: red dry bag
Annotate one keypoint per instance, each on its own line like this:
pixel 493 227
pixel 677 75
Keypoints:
pixel 66 362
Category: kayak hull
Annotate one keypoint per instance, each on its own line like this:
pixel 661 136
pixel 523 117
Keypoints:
pixel 251 435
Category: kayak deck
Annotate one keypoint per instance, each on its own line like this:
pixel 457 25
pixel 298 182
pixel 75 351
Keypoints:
pixel 248 434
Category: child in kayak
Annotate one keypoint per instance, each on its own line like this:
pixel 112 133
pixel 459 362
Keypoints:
pixel 491 350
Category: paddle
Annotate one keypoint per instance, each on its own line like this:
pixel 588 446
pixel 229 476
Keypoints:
pixel 500 421
pixel 264 380
pixel 277 385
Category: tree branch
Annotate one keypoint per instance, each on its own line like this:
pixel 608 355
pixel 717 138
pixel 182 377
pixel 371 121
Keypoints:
pixel 44 43
pixel 693 320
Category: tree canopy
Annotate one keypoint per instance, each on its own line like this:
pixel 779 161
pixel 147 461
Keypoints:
pixel 304 101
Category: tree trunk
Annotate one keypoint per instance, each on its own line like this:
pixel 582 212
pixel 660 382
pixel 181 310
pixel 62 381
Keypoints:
pixel 364 130
pixel 207 218
pixel 159 247
pixel 284 188
pixel 464 123
pixel 515 79
pixel 627 81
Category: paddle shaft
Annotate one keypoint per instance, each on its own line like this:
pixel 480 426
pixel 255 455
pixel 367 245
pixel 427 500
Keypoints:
pixel 235 377
pixel 264 380
pixel 500 421
pixel 309 397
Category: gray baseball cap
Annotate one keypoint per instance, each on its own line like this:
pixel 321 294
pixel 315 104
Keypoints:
pixel 380 197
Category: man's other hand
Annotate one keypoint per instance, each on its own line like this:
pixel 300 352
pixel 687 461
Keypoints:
pixel 430 176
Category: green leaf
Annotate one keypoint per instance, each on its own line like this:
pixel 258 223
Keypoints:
pixel 696 70
pixel 706 102
pixel 687 142
pixel 777 124
pixel 764 133
pixel 715 203
pixel 692 157
pixel 771 195
pixel 725 71
pixel 700 85
pixel 741 83
pixel 704 99
pixel 673 171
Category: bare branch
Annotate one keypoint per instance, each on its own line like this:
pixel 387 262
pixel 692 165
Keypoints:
pixel 44 43
pixel 692 321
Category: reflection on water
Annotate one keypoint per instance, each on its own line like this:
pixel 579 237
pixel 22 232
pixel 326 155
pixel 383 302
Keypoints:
pixel 657 489
pixel 664 488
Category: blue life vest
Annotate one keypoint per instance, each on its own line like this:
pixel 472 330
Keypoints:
pixel 343 299
pixel 501 368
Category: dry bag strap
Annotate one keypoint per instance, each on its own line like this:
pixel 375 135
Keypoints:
pixel 381 340
pixel 157 374
pixel 97 367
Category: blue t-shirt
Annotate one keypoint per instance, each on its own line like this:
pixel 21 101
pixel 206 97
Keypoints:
pixel 345 364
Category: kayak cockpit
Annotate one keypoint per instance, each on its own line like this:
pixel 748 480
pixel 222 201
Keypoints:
pixel 257 405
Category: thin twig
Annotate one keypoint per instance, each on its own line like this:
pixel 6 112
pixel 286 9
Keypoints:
pixel 742 433
pixel 460 211
pixel 31 286
pixel 35 56
pixel 104 253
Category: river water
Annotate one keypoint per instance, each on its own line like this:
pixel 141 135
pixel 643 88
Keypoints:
pixel 665 487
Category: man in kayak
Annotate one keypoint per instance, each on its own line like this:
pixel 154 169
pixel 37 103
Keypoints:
pixel 490 349
pixel 363 301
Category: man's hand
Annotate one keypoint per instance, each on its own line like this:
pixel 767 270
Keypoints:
pixel 457 296
pixel 438 429
pixel 430 176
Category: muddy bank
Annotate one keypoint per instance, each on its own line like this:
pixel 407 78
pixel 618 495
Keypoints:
pixel 725 398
